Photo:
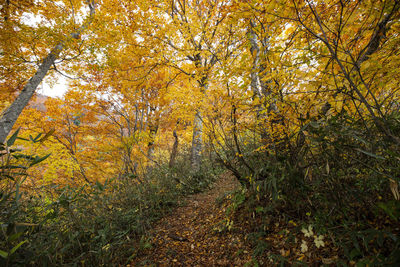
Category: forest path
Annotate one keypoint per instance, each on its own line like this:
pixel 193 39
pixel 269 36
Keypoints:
pixel 195 234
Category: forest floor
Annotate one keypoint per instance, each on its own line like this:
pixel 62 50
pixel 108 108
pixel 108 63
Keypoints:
pixel 195 234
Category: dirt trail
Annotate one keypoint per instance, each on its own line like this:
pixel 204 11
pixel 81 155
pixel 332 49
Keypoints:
pixel 195 234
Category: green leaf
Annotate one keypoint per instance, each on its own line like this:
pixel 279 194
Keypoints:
pixel 314 124
pixel 8 176
pixel 359 139
pixel 147 245
pixel 13 167
pixel 19 156
pixel 15 173
pixel 47 135
pixel 39 159
pixel 15 236
pixel 12 139
pixel 259 209
pixel 388 209
pixel 99 186
pixel 37 137
pixel 3 254
pixel 17 246
pixel 370 154
pixel 354 253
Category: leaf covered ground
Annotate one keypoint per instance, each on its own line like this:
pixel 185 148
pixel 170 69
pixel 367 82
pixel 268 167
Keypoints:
pixel 203 231
pixel 198 234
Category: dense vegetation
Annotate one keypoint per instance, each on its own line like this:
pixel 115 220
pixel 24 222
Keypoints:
pixel 101 223
pixel 298 100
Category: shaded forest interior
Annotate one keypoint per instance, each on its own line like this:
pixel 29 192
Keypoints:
pixel 200 132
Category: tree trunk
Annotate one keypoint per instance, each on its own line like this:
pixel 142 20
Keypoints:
pixel 254 75
pixel 150 147
pixel 197 142
pixel 12 113
pixel 150 154
pixel 174 150
pixel 257 85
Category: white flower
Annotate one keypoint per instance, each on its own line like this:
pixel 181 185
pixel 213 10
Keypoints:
pixel 304 247
pixel 319 241
pixel 308 232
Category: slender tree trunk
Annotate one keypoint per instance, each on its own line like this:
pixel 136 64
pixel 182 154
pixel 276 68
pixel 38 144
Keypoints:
pixel 150 154
pixel 10 116
pixel 174 150
pixel 150 146
pixel 12 113
pixel 260 86
pixel 197 142
pixel 257 85
pixel 254 75
pixel 81 169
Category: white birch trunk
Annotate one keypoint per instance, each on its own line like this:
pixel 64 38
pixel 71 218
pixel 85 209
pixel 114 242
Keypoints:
pixel 254 75
pixel 197 142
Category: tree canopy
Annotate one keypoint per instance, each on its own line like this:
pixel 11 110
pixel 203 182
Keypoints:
pixel 296 99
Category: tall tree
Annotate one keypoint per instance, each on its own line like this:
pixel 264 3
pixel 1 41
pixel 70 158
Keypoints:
pixel 192 38
pixel 11 114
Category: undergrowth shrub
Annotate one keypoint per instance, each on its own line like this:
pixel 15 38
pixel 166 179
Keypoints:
pixel 100 224
pixel 92 225
pixel 338 174
pixel 183 177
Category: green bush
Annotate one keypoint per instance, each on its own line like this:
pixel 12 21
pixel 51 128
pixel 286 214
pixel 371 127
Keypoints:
pixel 337 174
pixel 93 225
